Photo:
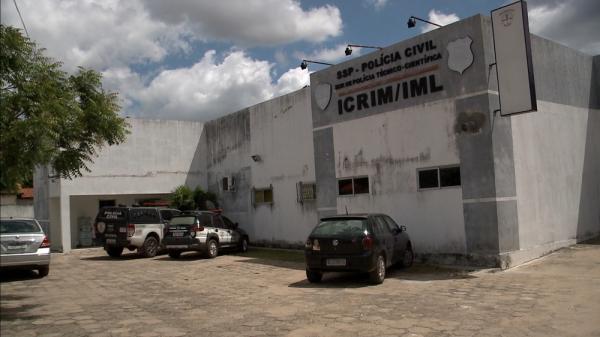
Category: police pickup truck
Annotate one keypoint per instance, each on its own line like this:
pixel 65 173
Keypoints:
pixel 134 228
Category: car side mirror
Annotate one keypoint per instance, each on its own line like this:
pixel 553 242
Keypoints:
pixel 235 225
pixel 402 228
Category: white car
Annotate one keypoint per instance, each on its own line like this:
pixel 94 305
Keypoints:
pixel 24 245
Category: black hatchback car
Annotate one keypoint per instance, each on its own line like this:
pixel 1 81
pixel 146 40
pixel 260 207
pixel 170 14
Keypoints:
pixel 359 243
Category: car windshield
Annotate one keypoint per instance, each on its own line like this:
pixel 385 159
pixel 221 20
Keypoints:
pixel 19 227
pixel 183 220
pixel 341 227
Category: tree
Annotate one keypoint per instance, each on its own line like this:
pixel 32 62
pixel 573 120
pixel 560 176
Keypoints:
pixel 182 198
pixel 48 117
pixel 201 197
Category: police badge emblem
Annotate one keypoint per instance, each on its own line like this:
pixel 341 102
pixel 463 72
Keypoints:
pixel 460 56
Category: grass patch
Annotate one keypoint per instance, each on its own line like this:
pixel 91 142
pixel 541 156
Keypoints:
pixel 288 255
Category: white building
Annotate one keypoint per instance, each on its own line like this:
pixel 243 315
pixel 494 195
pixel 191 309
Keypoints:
pixel 398 131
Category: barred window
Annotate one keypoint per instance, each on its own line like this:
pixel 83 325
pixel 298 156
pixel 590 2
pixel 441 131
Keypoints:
pixel 306 191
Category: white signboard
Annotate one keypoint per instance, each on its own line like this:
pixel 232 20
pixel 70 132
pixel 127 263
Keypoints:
pixel 513 59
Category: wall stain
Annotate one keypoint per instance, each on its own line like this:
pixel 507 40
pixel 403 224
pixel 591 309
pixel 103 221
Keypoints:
pixel 469 122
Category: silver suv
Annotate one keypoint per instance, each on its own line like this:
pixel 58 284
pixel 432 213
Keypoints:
pixel 203 231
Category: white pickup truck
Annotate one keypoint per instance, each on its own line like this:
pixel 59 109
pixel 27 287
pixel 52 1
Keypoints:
pixel 134 228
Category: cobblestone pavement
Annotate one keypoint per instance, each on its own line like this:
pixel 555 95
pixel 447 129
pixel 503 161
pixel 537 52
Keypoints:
pixel 89 294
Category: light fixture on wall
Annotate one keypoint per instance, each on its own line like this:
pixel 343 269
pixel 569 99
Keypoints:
pixel 256 157
pixel 348 50
pixel 305 63
pixel 412 21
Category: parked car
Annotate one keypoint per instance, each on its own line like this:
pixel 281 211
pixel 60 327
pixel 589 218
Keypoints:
pixel 134 228
pixel 24 245
pixel 361 243
pixel 203 231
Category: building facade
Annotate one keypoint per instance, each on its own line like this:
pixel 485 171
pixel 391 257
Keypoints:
pixel 412 130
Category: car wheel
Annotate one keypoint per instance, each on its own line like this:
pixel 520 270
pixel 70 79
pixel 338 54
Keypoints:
pixel 43 271
pixel 244 245
pixel 114 251
pixel 174 254
pixel 408 258
pixel 212 249
pixel 314 276
pixel 378 274
pixel 150 247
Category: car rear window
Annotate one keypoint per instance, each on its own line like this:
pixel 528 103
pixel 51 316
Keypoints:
pixel 341 227
pixel 144 215
pixel 19 227
pixel 183 220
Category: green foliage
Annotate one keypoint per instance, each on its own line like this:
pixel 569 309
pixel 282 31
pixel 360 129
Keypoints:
pixel 48 116
pixel 201 197
pixel 182 198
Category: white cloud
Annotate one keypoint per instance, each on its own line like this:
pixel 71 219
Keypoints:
pixel 251 23
pixel 377 4
pixel 573 23
pixel 291 80
pixel 329 55
pixel 97 34
pixel 440 18
pixel 208 89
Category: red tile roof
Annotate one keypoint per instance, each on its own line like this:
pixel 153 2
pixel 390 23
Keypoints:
pixel 26 193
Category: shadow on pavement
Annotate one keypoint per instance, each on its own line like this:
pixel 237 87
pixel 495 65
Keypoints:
pixel 11 309
pixel 275 263
pixel 123 257
pixel 187 256
pixel 423 272
pixel 417 272
pixel 18 275
pixel 336 280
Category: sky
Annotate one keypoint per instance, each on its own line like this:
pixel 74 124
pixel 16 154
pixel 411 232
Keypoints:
pixel 202 59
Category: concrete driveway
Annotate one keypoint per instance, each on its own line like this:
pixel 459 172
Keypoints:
pixel 89 294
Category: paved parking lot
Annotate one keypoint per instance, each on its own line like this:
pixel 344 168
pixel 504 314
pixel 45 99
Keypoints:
pixel 90 294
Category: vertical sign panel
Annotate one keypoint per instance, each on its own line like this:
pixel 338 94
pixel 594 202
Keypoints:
pixel 513 59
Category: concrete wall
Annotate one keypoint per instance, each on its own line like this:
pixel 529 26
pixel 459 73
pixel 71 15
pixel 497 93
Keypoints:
pixel 279 131
pixel 389 148
pixel 157 156
pixel 11 206
pixel 557 152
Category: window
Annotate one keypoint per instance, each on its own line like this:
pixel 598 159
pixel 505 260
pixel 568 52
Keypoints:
pixel 352 186
pixel 392 225
pixel 228 223
pixel 306 191
pixel 144 215
pixel 450 176
pixel 19 227
pixel 228 183
pixel 439 177
pixel 263 195
pixel 218 222
pixel 205 220
pixel 340 227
